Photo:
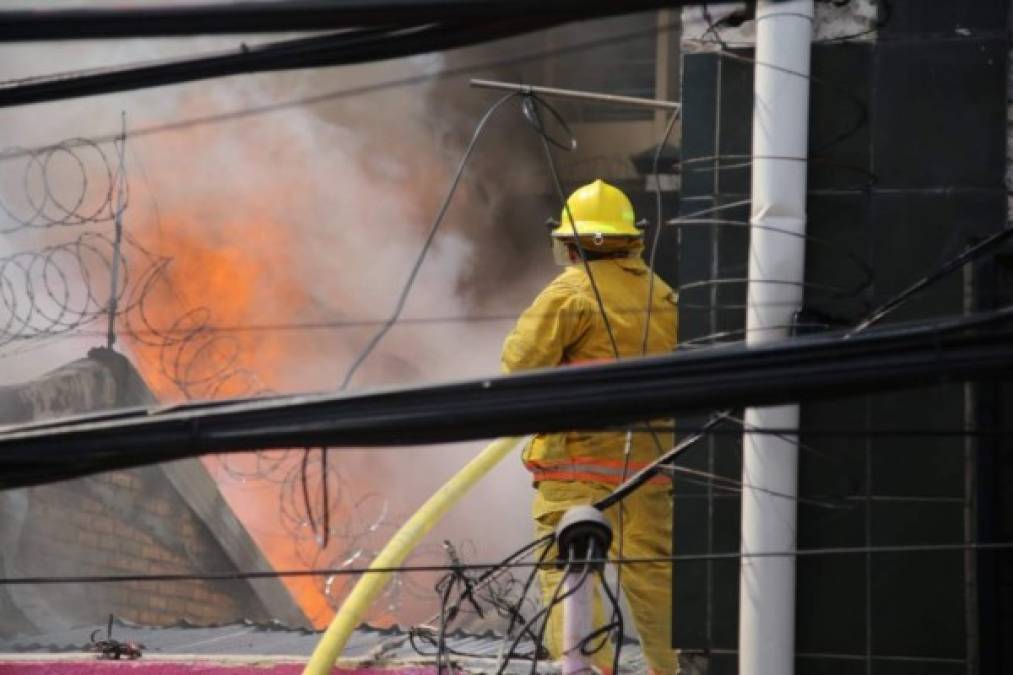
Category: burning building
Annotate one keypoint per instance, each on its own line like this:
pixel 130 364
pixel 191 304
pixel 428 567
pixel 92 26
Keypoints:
pixel 262 253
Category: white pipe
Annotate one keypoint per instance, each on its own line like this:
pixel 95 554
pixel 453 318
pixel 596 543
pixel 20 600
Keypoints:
pixel 577 619
pixel 780 136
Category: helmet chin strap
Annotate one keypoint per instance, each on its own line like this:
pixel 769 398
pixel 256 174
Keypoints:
pixel 595 255
pixel 565 250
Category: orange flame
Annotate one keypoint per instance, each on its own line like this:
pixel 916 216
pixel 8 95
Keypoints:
pixel 235 259
pixel 216 357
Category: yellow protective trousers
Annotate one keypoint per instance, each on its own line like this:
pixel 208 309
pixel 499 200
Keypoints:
pixel 646 533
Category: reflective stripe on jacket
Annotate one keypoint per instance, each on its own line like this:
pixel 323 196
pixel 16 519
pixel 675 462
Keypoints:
pixel 563 326
pixel 588 469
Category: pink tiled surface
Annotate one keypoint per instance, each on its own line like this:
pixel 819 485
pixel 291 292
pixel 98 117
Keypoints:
pixel 169 668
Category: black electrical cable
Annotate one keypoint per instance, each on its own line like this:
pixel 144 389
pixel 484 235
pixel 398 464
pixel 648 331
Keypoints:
pixel 484 580
pixel 641 477
pixel 347 571
pixel 588 645
pixel 712 26
pixel 402 298
pixel 239 18
pixel 862 284
pixel 350 47
pixel 426 245
pixel 449 614
pixel 600 396
pixel 829 432
pixel 325 97
pixel 617 618
pixel 861 106
pixel 324 483
pixel 422 634
pixel 174 331
pixel 304 482
pixel 342 324
pixel 547 611
pixel 709 210
pixel 957 262
pixel 716 163
pixel 557 598
pixel 547 542
pixel 790 436
pixel 968 255
pixel 531 103
pixel 863 110
pixel 731 484
pixel 441 642
pixel 659 224
pixel 384 41
pixel 529 626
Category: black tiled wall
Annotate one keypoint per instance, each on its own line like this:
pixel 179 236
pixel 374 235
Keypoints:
pixel 907 144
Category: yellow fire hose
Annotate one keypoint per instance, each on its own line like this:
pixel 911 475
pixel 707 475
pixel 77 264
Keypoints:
pixel 397 549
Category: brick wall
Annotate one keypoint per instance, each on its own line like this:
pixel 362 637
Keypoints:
pixel 126 522
pixel 167 519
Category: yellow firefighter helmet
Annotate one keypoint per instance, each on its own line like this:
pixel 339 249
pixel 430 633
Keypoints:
pixel 599 210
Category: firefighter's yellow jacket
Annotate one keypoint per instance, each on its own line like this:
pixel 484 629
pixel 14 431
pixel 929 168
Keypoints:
pixel 564 326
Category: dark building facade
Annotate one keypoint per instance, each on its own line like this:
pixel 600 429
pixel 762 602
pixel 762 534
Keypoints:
pixel 907 164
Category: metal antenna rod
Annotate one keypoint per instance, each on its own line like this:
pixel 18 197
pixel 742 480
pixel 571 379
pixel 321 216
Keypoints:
pixel 120 206
pixel 580 95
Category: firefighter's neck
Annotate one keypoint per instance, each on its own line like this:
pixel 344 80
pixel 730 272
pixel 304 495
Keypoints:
pixel 591 256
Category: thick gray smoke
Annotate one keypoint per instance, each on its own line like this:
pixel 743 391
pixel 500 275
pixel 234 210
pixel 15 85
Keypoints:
pixel 310 215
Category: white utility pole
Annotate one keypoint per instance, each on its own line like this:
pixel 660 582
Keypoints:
pixel 776 271
pixel 578 593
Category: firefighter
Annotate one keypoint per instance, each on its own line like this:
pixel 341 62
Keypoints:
pixel 565 325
